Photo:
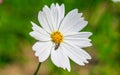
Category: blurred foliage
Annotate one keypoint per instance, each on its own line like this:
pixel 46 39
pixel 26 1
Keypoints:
pixel 103 17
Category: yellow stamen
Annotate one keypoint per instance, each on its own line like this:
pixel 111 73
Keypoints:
pixel 57 37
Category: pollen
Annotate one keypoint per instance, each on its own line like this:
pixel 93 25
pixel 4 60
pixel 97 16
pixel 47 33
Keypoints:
pixel 57 37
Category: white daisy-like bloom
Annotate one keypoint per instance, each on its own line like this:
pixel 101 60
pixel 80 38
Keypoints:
pixel 59 36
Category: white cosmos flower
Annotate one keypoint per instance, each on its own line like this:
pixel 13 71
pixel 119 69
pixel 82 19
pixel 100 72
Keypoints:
pixel 59 36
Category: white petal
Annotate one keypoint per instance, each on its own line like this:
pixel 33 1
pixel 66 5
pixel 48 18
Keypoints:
pixel 68 18
pixel 78 55
pixel 59 58
pixel 81 42
pixel 39 36
pixel 79 26
pixel 79 50
pixel 73 22
pixel 46 19
pixel 54 11
pixel 61 12
pixel 43 21
pixel 39 29
pixel 49 17
pixel 42 50
pixel 78 34
pixel 58 14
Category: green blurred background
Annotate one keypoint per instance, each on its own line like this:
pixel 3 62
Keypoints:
pixel 17 57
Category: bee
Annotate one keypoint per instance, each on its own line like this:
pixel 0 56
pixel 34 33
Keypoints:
pixel 57 46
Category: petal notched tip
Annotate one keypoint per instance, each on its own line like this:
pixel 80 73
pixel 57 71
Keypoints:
pixel 80 14
pixel 32 23
pixel 91 33
pixel 63 5
pixel 57 4
pixel 31 33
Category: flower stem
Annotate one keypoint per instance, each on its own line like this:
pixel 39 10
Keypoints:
pixel 37 68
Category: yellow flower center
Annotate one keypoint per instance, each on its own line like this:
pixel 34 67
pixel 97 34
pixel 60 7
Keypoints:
pixel 57 37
